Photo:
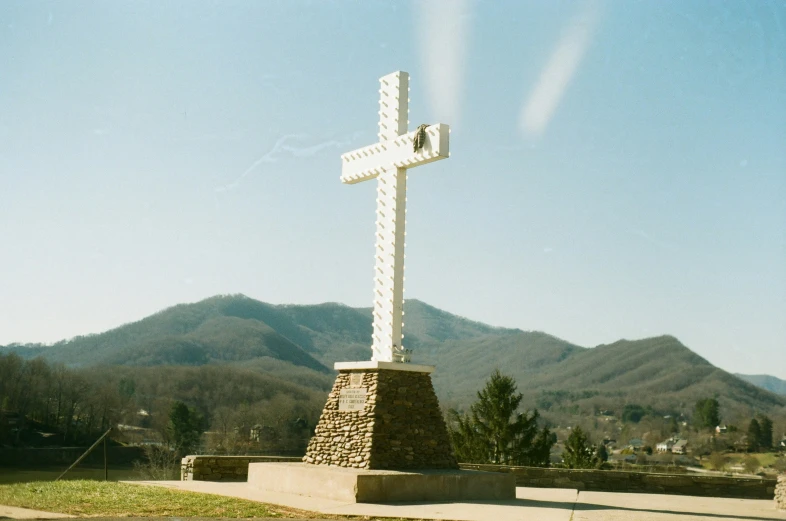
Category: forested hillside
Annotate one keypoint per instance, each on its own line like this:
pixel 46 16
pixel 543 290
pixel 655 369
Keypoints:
pixel 261 347
pixel 80 403
pixel 220 329
pixel 236 328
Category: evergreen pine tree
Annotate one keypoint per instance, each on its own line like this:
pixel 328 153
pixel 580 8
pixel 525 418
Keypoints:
pixel 754 435
pixel 707 413
pixel 602 453
pixel 578 453
pixel 468 446
pixel 495 432
pixel 184 429
pixel 765 433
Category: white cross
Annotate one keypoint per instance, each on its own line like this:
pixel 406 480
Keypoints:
pixel 388 161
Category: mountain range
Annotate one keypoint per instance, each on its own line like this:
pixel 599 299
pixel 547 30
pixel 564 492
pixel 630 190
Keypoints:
pixel 765 381
pixel 553 374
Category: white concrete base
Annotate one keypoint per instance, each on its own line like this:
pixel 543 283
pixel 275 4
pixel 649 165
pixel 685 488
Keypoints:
pixel 380 486
pixel 392 366
pixel 535 504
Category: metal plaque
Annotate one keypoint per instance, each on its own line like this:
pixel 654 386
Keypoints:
pixel 352 399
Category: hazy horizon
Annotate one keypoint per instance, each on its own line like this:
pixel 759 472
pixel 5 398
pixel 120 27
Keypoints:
pixel 618 169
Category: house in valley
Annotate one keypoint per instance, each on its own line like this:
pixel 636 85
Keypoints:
pixel 681 447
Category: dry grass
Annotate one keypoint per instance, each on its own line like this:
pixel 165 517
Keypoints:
pixel 85 498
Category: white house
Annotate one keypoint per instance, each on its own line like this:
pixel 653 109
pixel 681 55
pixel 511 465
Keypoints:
pixel 665 446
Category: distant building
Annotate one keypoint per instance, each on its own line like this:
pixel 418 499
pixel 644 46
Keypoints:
pixel 665 446
pixel 636 444
pixel 130 428
pixel 256 432
pixel 10 418
pixel 721 429
pixel 681 447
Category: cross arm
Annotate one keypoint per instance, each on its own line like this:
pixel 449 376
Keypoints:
pixel 368 162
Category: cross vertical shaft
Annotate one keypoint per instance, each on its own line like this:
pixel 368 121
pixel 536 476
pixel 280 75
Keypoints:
pixel 389 264
pixel 391 221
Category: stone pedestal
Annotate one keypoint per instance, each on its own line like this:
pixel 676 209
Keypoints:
pixel 382 415
pixel 381 438
pixel 780 493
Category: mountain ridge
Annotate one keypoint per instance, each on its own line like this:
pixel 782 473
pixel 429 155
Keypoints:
pixel 765 381
pixel 235 329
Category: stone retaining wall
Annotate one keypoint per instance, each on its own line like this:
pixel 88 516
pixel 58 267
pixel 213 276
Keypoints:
pixel 780 493
pixel 618 481
pixel 222 468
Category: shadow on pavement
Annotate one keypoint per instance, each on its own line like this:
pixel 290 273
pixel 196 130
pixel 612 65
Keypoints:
pixel 588 507
pixel 591 507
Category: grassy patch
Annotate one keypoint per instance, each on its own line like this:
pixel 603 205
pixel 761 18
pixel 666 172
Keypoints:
pixel 86 498
pixel 21 475
pixel 100 498
pixel 765 458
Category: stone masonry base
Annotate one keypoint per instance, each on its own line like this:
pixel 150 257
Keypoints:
pixel 780 493
pixel 400 426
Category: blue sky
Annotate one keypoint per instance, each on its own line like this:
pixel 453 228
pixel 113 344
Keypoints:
pixel 618 168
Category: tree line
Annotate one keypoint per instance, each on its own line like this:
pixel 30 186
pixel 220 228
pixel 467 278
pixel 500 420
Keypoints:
pixel 78 404
pixel 244 410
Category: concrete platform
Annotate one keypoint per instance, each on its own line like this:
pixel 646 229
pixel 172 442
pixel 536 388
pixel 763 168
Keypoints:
pixel 380 486
pixel 536 504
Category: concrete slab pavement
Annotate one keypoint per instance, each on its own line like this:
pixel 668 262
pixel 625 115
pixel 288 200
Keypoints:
pixel 540 504
pixel 536 504
pixel 7 512
pixel 609 506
